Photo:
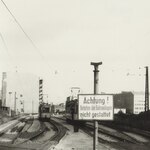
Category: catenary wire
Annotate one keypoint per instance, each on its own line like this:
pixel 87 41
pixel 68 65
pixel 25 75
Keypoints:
pixel 27 36
pixel 12 63
pixel 6 49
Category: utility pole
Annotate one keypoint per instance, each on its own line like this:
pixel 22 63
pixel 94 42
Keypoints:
pixel 146 90
pixel 10 103
pixel 23 106
pixel 96 88
pixel 32 106
pixel 15 99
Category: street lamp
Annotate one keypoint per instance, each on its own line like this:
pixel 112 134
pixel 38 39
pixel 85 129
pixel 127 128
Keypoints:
pixel 10 102
pixel 22 103
pixel 15 102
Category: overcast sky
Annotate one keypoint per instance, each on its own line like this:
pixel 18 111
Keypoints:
pixel 69 34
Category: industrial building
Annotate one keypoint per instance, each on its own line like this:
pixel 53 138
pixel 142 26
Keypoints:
pixel 124 102
pixel 19 92
pixel 129 102
pixel 139 102
pixel 4 88
pixel 60 108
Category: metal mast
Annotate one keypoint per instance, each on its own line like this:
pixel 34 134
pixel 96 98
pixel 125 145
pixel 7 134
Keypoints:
pixel 146 90
pixel 40 91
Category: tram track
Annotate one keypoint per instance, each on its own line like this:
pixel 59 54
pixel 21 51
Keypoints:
pixel 109 145
pixel 117 139
pixel 120 136
pixel 126 130
pixel 50 134
pixel 120 144
pixel 117 135
pixel 60 131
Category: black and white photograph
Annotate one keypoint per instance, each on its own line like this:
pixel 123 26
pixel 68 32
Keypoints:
pixel 74 74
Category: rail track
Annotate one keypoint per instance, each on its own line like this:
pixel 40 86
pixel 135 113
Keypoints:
pixel 129 129
pixel 120 140
pixel 60 131
pixel 25 138
pixel 118 136
pixel 49 134
pixel 117 139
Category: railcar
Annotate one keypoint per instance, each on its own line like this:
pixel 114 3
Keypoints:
pixel 44 111
pixel 72 112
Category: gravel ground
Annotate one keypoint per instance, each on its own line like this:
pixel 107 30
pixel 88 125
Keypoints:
pixel 5 126
pixel 76 140
pixel 46 135
pixel 137 137
pixel 11 134
pixel 103 127
pixel 35 126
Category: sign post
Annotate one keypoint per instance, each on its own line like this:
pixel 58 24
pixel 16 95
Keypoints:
pixel 95 106
pixel 96 79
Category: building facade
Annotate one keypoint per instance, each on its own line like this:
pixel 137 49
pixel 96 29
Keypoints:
pixel 4 89
pixel 58 108
pixel 20 91
pixel 139 102
pixel 124 102
pixel 129 102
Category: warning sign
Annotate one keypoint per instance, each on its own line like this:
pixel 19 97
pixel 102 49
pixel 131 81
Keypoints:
pixel 95 107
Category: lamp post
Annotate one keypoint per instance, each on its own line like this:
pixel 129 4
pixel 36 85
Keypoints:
pixel 22 103
pixel 15 102
pixel 15 99
pixel 32 107
pixel 10 102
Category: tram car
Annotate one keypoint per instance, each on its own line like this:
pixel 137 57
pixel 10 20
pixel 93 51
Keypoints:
pixel 72 112
pixel 45 111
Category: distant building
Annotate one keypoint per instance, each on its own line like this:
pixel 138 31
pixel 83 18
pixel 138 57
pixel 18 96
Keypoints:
pixel 127 102
pixel 58 108
pixel 20 90
pixel 133 102
pixel 69 98
pixel 4 89
pixel 123 102
pixel 139 102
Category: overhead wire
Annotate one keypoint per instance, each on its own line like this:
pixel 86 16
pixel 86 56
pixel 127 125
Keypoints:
pixel 11 62
pixel 27 36
pixel 18 24
pixel 6 49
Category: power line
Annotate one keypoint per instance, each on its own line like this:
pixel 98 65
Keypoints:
pixel 6 48
pixel 18 24
pixel 27 36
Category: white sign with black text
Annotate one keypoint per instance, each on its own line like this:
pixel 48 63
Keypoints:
pixel 95 107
